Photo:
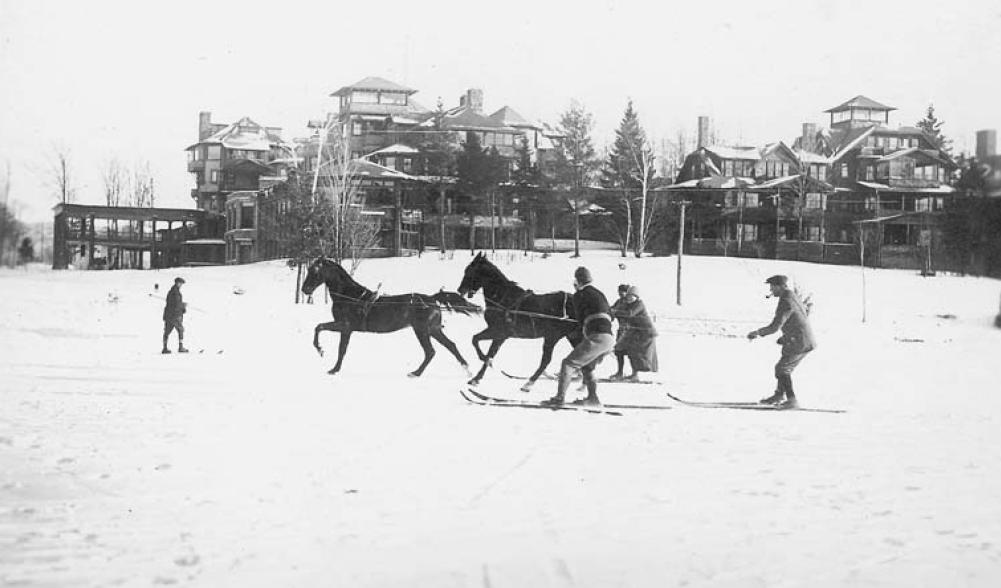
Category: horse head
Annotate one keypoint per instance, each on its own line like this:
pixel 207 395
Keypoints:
pixel 475 276
pixel 322 271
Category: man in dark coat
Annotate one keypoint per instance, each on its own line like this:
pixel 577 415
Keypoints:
pixel 173 316
pixel 637 336
pixel 595 319
pixel 796 340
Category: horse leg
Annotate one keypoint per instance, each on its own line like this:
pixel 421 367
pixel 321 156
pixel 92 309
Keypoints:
pixel 341 349
pixel 547 356
pixel 425 341
pixel 331 326
pixel 487 333
pixel 495 345
pixel 439 336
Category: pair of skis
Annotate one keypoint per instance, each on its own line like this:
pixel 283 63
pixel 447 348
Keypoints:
pixel 475 397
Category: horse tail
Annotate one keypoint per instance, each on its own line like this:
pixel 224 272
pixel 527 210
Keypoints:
pixel 455 302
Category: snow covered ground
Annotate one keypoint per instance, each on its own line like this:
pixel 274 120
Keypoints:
pixel 253 467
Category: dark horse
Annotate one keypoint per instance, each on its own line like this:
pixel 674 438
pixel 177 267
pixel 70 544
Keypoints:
pixel 514 312
pixel 356 308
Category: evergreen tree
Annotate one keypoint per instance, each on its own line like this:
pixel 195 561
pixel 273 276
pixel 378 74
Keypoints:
pixel 576 161
pixel 628 170
pixel 932 126
pixel 479 171
pixel 438 165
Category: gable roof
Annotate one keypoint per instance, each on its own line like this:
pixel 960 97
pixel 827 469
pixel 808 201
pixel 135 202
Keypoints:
pixel 243 134
pixel 850 139
pixel 748 153
pixel 860 101
pixel 394 149
pixel 376 84
pixel 468 119
pixel 509 117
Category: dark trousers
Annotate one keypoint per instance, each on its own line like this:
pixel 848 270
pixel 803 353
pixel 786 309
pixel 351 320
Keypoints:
pixel 171 325
pixel 783 371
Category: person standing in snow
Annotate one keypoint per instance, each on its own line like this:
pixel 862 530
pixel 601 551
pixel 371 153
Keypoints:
pixel 796 340
pixel 637 336
pixel 173 316
pixel 595 319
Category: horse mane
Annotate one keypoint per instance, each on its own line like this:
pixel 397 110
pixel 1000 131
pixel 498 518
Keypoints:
pixel 345 277
pixel 499 274
pixel 455 302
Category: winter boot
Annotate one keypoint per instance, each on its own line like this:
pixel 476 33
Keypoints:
pixel 181 348
pixel 165 351
pixel 788 403
pixel 592 395
pixel 775 398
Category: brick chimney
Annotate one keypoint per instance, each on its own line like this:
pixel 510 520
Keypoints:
pixel 808 142
pixel 703 132
pixel 204 125
pixel 987 140
pixel 473 100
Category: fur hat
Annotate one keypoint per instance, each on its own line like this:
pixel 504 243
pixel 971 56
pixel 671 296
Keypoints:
pixel 623 288
pixel 178 280
pixel 777 280
pixel 633 291
pixel 582 275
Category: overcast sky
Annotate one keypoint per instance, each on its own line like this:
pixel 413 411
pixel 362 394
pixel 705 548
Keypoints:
pixel 127 79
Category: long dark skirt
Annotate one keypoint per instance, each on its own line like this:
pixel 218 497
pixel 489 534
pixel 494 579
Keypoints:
pixel 640 348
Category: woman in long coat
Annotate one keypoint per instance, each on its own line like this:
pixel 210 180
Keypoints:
pixel 637 337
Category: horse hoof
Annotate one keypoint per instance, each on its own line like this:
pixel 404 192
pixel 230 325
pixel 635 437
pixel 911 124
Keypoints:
pixel 333 372
pixel 526 387
pixel 473 382
pixel 413 375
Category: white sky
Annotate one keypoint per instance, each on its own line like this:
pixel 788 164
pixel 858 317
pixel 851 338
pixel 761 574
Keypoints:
pixel 127 79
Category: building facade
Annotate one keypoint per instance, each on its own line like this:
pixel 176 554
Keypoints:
pixel 820 199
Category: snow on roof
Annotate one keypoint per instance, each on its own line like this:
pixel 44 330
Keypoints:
pixel 750 153
pixel 243 134
pixel 860 101
pixel 810 156
pixel 941 189
pixel 852 143
pixel 508 116
pixel 394 149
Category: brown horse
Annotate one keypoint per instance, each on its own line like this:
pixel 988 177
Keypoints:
pixel 514 312
pixel 356 308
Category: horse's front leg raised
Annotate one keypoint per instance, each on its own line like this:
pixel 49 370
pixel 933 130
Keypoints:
pixel 342 347
pixel 495 345
pixel 331 326
pixel 547 356
pixel 490 333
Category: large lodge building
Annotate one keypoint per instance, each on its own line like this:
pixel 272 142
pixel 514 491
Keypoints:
pixel 831 195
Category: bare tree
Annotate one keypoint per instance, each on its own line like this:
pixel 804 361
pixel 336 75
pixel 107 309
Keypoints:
pixel 644 162
pixel 351 231
pixel 116 182
pixel 142 185
pixel 59 175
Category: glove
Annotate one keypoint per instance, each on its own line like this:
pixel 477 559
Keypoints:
pixel 752 335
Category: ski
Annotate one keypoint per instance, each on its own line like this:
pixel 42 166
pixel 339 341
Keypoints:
pixel 469 396
pixel 751 406
pixel 494 400
pixel 546 376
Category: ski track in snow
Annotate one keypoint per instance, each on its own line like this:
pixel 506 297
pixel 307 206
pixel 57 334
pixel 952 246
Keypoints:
pixel 253 467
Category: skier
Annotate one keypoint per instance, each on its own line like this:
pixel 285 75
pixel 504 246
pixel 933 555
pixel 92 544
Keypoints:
pixel 637 335
pixel 594 316
pixel 173 316
pixel 796 340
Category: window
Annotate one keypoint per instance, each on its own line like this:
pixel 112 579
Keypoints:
pixel 356 128
pixel 749 199
pixel 215 152
pixel 814 200
pixel 390 162
pixel 365 97
pixel 811 233
pixel 923 205
pixel 247 216
pixel 870 173
pixel 843 170
pixel 727 167
pixel 408 164
pixel 822 173
pixel 748 232
pixel 392 98
pixel 214 176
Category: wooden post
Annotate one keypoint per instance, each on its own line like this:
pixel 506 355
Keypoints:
pixel 861 229
pixel 93 238
pixel 441 217
pixel 681 246
pixel 152 251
